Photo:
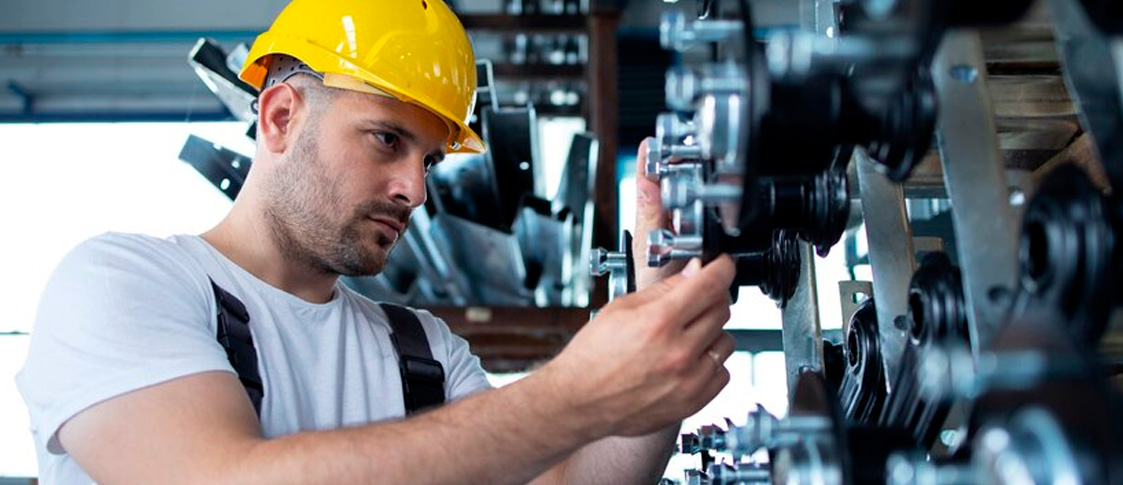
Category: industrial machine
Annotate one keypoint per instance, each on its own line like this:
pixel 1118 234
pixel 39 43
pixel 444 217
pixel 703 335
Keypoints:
pixel 990 362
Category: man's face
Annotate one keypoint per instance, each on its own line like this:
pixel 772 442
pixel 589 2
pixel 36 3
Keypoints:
pixel 343 193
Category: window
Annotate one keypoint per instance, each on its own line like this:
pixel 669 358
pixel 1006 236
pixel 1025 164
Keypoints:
pixel 64 183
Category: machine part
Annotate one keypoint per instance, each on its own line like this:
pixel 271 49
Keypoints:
pixel 929 19
pixel 1068 252
pixel 686 85
pixel 575 193
pixel 683 192
pixel 212 65
pixel 512 135
pixel 708 438
pixel 802 330
pixel 808 461
pixel 912 405
pixel 816 208
pixel 739 474
pixel 762 430
pixel 224 168
pixel 721 132
pixel 974 176
pixel 1032 448
pixel 863 391
pixel 796 55
pixel 678 33
pixel 464 185
pixel 819 16
pixel 490 259
pixel 904 136
pixel 936 317
pixel 435 260
pixel 664 246
pixel 696 477
pixel 936 307
pixel 1106 14
pixel 1088 55
pixel 776 271
pixel 620 268
pixel 952 373
pixel 851 294
pixel 905 468
pixel 891 254
pixel 689 219
pixel 545 240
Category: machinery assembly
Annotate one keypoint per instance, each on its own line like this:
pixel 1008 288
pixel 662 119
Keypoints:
pixel 991 363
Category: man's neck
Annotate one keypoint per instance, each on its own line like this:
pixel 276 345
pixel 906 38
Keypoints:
pixel 244 239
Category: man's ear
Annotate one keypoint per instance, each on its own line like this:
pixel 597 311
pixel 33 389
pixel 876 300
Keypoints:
pixel 277 108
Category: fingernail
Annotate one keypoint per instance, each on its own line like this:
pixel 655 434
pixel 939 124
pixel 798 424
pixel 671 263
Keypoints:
pixel 692 268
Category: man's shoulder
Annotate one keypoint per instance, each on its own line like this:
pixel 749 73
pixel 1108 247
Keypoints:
pixel 122 243
pixel 144 255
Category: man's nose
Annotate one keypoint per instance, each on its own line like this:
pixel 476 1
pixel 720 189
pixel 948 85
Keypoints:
pixel 407 184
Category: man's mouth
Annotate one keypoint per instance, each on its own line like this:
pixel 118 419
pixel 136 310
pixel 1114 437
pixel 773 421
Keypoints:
pixel 390 224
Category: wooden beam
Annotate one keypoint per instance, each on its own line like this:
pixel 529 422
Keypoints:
pixel 603 73
pixel 509 339
pixel 1081 153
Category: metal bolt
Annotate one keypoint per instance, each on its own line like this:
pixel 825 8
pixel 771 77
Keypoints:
pixel 684 85
pixel 679 193
pixel 601 261
pixel 681 88
pixel 663 152
pixel 669 126
pixel 663 246
pixel 764 430
pixel 741 474
pixel 654 168
pixel 679 34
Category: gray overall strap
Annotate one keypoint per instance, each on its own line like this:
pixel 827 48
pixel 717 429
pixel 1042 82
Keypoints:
pixel 423 378
pixel 234 335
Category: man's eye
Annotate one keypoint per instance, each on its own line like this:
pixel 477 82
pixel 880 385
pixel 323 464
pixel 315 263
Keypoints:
pixel 388 139
pixel 429 163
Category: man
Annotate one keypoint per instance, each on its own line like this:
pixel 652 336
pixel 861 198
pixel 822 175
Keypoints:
pixel 126 383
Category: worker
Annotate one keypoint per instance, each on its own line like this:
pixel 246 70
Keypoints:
pixel 132 376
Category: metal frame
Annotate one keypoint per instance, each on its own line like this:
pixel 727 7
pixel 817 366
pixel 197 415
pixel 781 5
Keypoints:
pixel 802 330
pixel 974 173
pixel 891 253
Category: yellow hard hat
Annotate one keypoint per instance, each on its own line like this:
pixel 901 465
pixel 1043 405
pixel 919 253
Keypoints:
pixel 414 50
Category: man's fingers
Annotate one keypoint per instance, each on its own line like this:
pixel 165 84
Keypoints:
pixel 687 295
pixel 703 331
pixel 722 347
pixel 649 202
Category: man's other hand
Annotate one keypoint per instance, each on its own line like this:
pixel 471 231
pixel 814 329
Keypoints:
pixel 650 217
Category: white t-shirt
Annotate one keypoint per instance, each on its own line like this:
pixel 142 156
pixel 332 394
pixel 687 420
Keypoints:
pixel 123 312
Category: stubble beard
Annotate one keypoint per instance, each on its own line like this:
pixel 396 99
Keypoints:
pixel 305 205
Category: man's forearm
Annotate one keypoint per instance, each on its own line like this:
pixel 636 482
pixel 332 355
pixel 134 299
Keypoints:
pixel 613 460
pixel 508 435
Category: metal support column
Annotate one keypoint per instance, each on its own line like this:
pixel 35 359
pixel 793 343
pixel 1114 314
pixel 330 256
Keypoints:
pixel 974 173
pixel 892 257
pixel 802 334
